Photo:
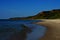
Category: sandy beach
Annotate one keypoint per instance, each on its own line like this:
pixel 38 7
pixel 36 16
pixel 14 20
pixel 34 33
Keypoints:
pixel 53 29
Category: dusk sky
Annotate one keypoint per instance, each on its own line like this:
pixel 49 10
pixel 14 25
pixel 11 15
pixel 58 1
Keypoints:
pixel 23 8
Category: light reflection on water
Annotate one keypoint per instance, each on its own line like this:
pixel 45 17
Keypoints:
pixel 37 30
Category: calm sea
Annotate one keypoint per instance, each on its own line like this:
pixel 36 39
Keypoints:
pixel 8 27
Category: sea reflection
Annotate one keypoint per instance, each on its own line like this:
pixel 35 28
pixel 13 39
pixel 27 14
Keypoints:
pixel 20 30
pixel 22 35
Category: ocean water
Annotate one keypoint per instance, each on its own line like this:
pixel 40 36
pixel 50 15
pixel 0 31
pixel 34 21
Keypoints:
pixel 9 27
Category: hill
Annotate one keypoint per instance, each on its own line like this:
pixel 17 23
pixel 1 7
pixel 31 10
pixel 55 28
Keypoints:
pixel 53 14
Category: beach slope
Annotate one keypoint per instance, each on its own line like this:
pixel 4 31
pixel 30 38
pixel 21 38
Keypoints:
pixel 53 29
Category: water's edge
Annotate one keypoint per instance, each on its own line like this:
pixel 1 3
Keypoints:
pixel 14 27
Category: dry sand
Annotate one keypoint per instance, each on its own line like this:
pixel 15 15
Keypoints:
pixel 53 29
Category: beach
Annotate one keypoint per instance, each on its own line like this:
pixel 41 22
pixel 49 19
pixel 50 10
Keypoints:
pixel 53 29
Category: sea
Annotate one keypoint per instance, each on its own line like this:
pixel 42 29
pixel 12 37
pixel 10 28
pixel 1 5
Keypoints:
pixel 10 27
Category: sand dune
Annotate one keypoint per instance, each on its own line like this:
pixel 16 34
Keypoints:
pixel 53 29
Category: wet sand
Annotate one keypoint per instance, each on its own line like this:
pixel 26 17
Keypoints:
pixel 53 29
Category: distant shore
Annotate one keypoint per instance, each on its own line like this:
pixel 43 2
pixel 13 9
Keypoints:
pixel 53 29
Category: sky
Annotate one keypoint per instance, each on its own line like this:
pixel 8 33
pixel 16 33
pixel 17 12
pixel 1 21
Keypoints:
pixel 24 8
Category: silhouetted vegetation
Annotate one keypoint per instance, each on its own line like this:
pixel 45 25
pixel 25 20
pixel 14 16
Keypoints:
pixel 54 14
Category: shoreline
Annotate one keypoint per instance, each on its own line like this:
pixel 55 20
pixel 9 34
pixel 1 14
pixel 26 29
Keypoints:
pixel 53 29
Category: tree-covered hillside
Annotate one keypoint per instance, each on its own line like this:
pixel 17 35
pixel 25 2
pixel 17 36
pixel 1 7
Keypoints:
pixel 48 14
pixel 53 14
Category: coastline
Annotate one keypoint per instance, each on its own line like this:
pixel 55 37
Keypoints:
pixel 53 29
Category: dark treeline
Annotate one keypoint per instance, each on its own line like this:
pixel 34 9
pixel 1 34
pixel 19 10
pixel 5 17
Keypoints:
pixel 53 14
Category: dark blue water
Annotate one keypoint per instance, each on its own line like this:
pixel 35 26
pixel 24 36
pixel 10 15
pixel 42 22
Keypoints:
pixel 8 27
